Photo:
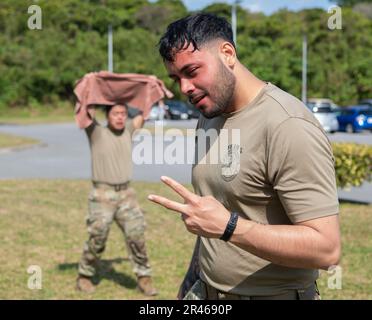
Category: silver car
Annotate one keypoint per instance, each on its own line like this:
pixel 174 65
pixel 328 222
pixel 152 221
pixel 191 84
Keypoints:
pixel 157 113
pixel 324 111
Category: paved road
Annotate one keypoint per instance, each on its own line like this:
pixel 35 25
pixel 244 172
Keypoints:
pixel 65 154
pixel 362 138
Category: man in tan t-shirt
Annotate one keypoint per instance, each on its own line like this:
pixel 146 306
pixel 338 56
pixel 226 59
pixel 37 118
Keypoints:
pixel 112 199
pixel 266 213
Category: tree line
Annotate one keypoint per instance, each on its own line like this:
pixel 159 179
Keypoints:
pixel 40 67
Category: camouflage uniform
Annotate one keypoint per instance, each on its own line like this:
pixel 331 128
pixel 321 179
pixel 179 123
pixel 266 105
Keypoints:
pixel 105 205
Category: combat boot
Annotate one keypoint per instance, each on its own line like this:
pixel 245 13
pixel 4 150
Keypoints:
pixel 85 284
pixel 144 284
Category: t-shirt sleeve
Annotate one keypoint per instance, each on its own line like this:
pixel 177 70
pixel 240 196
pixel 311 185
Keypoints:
pixel 301 170
pixel 89 130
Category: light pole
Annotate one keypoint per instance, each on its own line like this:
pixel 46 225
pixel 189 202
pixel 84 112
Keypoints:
pixel 304 69
pixel 110 57
pixel 233 20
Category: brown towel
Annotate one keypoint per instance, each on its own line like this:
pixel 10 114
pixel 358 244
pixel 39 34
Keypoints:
pixel 107 88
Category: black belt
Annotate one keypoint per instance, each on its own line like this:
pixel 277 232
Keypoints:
pixel 116 187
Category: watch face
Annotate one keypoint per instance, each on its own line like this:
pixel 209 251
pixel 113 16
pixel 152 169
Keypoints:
pixel 231 162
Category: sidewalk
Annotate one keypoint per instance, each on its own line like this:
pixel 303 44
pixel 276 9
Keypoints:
pixel 361 194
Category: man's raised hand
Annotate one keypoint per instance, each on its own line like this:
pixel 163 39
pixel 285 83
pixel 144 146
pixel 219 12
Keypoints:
pixel 204 216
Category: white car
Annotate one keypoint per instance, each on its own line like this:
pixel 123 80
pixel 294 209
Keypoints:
pixel 157 113
pixel 324 111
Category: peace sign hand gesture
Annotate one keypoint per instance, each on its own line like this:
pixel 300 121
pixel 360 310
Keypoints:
pixel 203 216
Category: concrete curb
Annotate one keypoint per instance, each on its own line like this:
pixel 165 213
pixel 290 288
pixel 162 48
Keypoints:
pixel 23 147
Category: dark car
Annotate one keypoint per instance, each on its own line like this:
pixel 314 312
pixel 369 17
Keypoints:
pixel 181 110
pixel 355 118
pixel 367 102
pixel 177 109
pixel 193 111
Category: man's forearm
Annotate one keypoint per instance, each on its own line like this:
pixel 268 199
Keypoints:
pixel 138 122
pixel 313 243
pixel 296 246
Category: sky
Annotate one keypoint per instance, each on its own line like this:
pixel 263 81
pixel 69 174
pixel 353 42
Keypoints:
pixel 265 6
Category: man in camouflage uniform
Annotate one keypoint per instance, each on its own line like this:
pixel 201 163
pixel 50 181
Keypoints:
pixel 112 199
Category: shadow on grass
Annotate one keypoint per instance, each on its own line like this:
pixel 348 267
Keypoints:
pixel 106 270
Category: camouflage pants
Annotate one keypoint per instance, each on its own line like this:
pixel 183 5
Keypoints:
pixel 105 206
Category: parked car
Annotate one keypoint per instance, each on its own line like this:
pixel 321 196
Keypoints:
pixel 355 118
pixel 157 113
pixel 324 111
pixel 177 109
pixel 193 111
pixel 367 102
pixel 324 102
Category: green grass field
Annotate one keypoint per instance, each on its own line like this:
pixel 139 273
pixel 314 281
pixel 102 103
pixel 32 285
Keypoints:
pixel 42 222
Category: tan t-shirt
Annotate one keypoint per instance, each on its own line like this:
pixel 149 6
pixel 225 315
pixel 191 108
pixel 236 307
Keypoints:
pixel 111 153
pixel 280 172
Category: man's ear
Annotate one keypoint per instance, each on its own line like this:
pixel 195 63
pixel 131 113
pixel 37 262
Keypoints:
pixel 228 53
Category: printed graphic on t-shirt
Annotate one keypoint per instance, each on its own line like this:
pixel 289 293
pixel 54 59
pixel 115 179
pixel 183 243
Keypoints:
pixel 231 162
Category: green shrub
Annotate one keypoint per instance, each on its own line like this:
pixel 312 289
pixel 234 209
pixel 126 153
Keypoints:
pixel 353 164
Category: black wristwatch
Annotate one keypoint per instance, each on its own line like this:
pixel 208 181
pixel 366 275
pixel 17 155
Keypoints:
pixel 230 227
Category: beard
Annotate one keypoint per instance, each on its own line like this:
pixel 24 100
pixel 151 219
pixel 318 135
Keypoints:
pixel 222 93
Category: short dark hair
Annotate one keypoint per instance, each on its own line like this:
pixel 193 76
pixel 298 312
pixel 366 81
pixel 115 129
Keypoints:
pixel 108 108
pixel 196 29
